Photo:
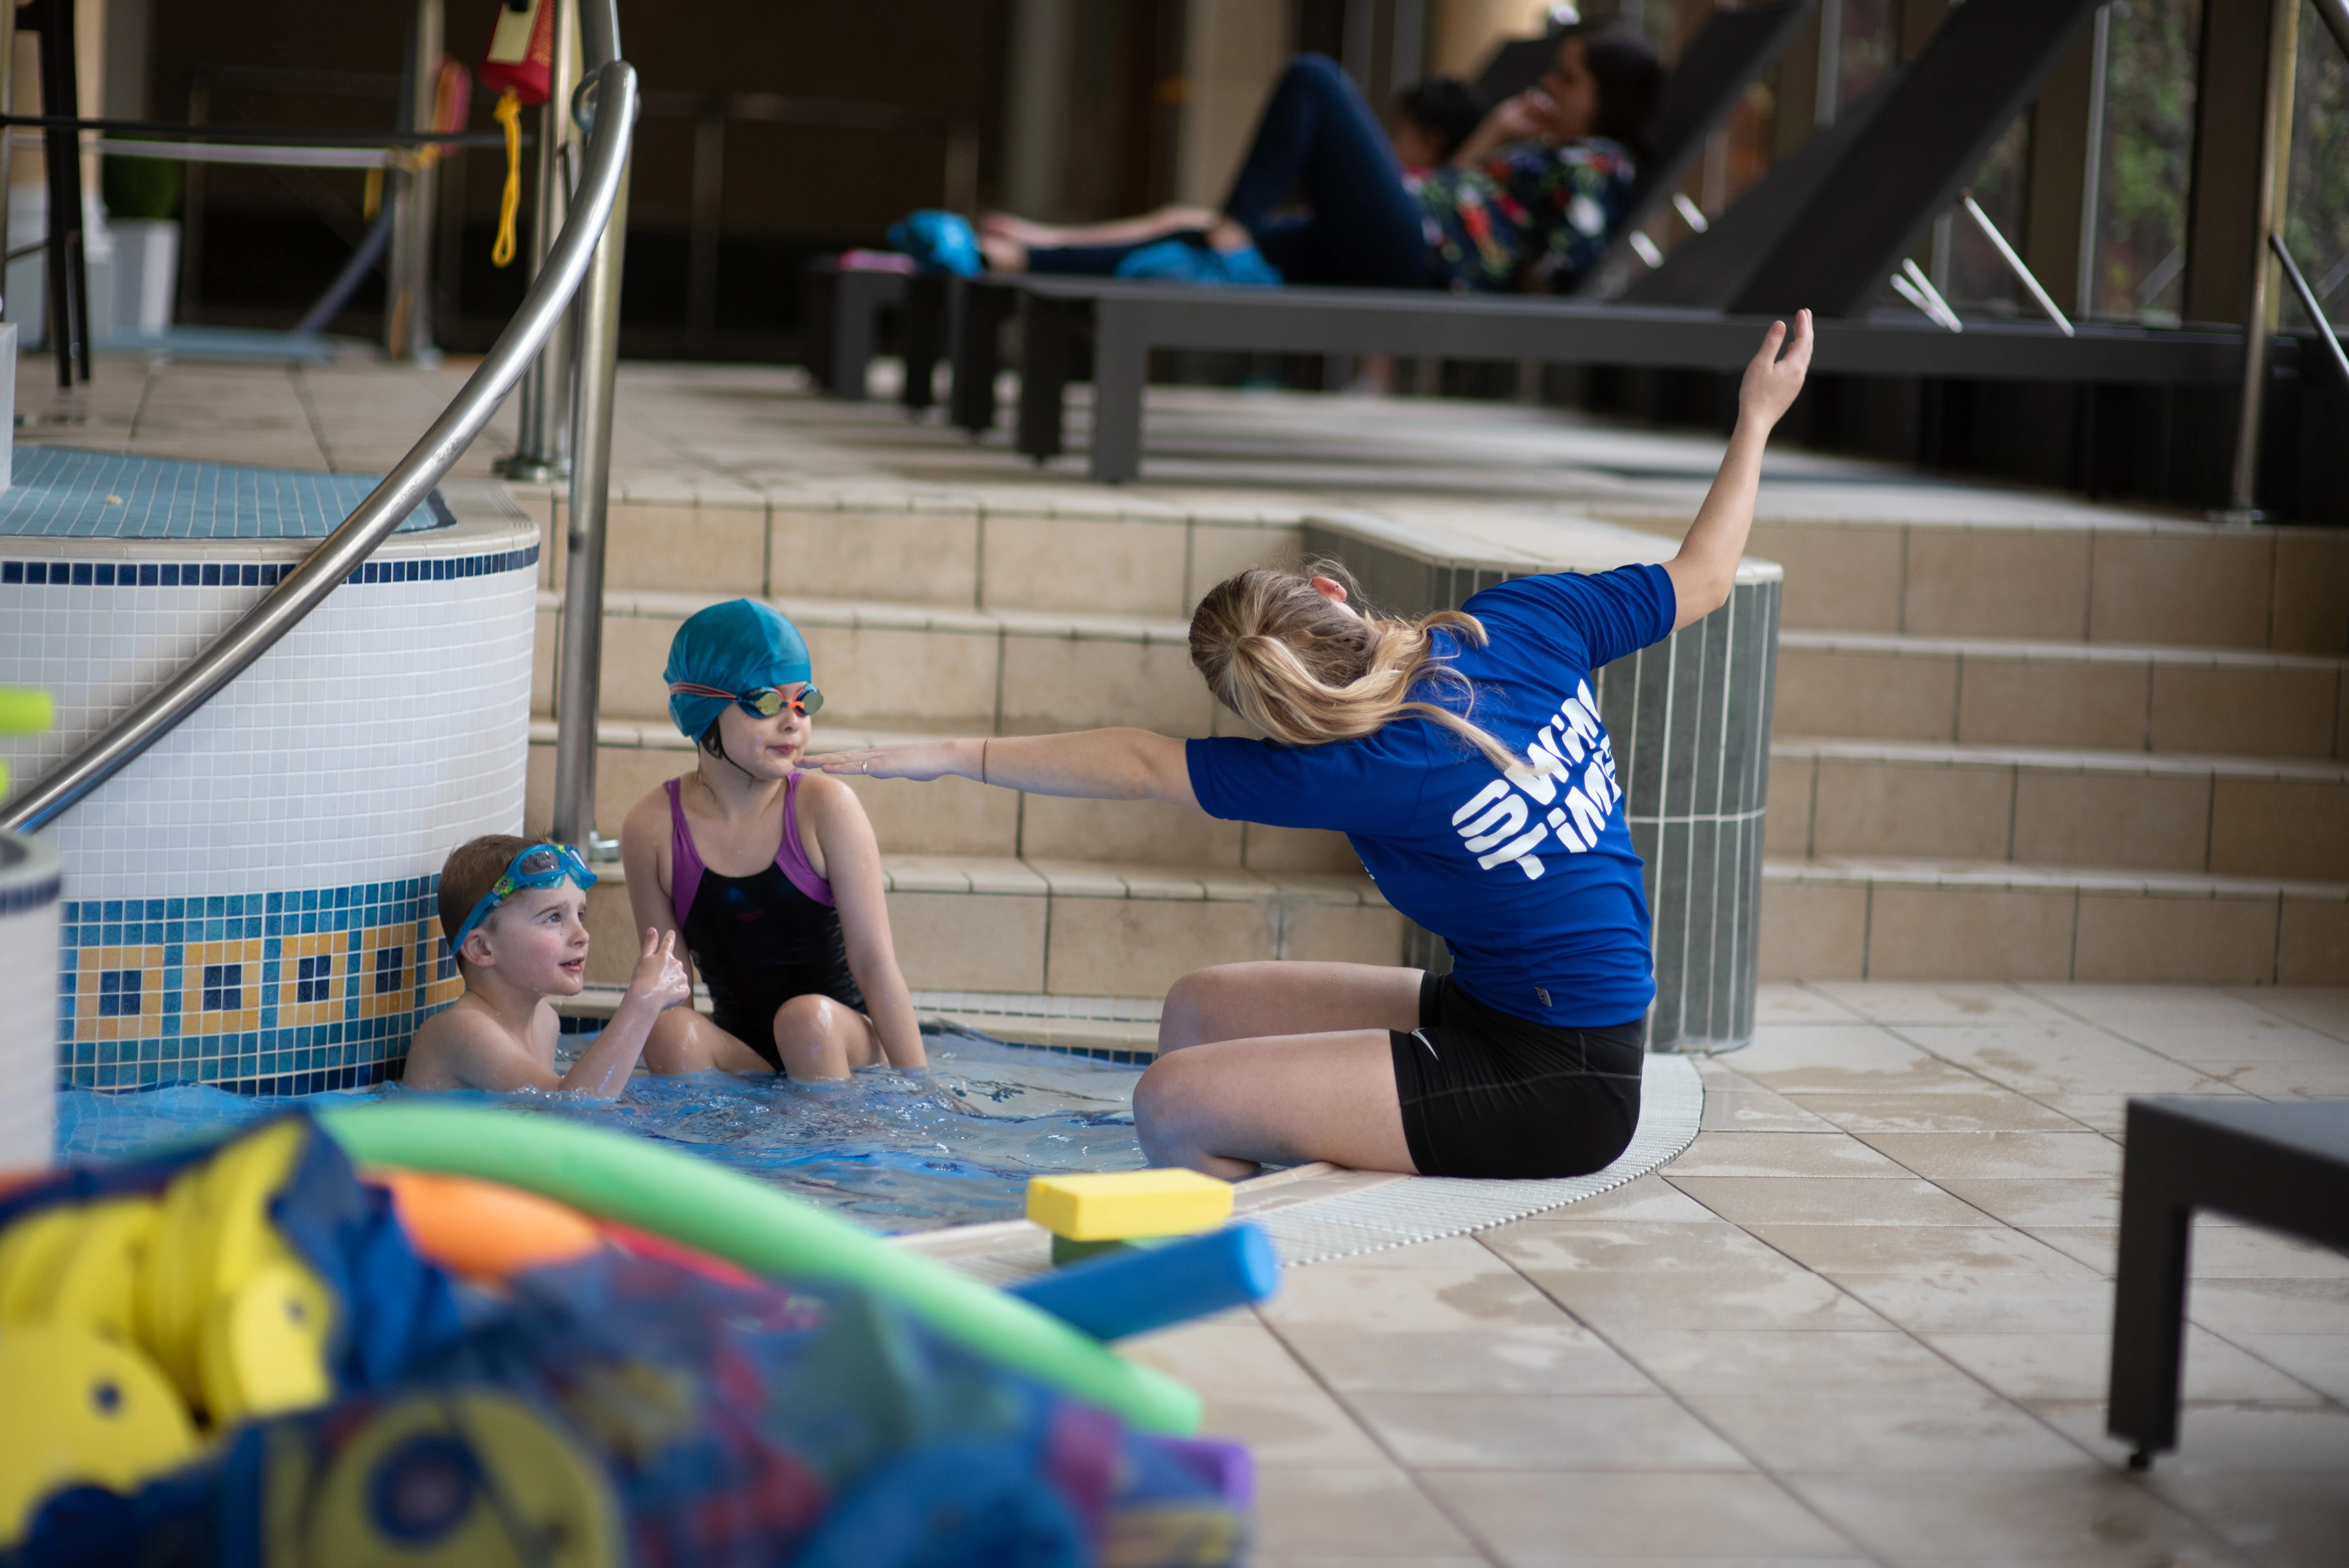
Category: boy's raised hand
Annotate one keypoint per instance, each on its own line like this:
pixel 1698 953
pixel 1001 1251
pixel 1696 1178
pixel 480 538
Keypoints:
pixel 660 978
pixel 1772 380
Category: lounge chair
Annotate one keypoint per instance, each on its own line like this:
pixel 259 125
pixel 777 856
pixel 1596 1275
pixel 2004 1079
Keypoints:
pixel 2284 1166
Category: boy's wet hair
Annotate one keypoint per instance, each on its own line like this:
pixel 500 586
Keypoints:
pixel 471 870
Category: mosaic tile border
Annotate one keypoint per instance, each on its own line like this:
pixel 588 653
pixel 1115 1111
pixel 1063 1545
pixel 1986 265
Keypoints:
pixel 264 993
pixel 119 573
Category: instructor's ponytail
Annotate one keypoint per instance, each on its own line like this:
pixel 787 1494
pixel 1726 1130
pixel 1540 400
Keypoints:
pixel 1306 671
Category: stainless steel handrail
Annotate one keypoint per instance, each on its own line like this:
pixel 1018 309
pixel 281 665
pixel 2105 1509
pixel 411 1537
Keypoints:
pixel 409 482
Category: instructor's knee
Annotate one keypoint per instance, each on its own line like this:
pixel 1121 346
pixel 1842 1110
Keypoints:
pixel 669 1048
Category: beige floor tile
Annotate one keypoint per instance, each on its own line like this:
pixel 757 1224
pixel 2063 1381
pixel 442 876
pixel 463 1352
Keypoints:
pixel 2226 940
pixel 1842 578
pixel 2062 1156
pixel 2205 588
pixel 1828 1154
pixel 2104 1113
pixel 1939 1003
pixel 2086 1517
pixel 2279 1521
pixel 1442 1253
pixel 1795 1059
pixel 1353 1514
pixel 1880 695
pixel 1783 1002
pixel 1343 1295
pixel 1991 1110
pixel 1556 1357
pixel 1996 583
pixel 2037 702
pixel 2095 817
pixel 2263 1040
pixel 1953 1254
pixel 2227 1439
pixel 1532 1520
pixel 1870 809
pixel 2280 828
pixel 2058 1366
pixel 1257 1392
pixel 2033 1203
pixel 1941 1431
pixel 1633 1248
pixel 1827 1201
pixel 2319 1360
pixel 1294 1560
pixel 1925 933
pixel 1758 1110
pixel 2238 1307
pixel 1994 1301
pixel 2324 1008
pixel 1779 1298
pixel 2237 1251
pixel 1812 933
pixel 1754 1361
pixel 1649 1199
pixel 2127 1008
pixel 2241 712
pixel 1543 1431
pixel 2287 1080
pixel 2058 1058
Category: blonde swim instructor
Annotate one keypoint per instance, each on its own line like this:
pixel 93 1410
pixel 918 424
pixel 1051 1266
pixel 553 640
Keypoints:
pixel 1463 756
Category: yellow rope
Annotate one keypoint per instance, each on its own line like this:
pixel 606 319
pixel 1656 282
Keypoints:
pixel 509 115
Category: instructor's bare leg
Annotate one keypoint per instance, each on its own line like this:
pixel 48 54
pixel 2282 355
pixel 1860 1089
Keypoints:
pixel 1227 1107
pixel 819 1038
pixel 1252 1000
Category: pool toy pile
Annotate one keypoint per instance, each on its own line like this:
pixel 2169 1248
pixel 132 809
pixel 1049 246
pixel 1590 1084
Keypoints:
pixel 382 1335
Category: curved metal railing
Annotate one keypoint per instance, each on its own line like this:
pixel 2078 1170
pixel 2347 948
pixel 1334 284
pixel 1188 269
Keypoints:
pixel 612 82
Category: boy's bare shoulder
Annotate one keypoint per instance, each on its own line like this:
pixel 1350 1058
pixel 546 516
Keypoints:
pixel 462 1046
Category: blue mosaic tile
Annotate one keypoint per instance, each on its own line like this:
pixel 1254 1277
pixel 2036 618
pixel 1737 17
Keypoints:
pixel 61 494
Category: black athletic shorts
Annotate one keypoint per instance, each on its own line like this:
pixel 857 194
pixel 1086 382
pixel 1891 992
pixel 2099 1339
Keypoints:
pixel 1487 1094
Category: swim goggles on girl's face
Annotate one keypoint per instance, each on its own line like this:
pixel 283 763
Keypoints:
pixel 541 865
pixel 760 702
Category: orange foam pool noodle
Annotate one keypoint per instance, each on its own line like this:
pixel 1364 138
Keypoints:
pixel 484 1230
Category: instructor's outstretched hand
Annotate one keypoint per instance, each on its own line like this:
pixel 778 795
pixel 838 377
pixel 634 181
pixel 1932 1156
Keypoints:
pixel 1773 378
pixel 1706 568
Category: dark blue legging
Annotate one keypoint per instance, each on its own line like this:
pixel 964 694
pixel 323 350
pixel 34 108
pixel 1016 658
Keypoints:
pixel 1317 138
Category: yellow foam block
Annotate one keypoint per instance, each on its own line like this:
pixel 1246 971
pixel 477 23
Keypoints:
pixel 1123 1205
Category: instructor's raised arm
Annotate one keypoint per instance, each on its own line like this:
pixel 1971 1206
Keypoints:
pixel 1091 764
pixel 1706 566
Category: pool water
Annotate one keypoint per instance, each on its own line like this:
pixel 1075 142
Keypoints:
pixel 897 1153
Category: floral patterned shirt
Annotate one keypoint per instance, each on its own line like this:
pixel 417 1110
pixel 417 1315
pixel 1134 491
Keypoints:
pixel 1529 216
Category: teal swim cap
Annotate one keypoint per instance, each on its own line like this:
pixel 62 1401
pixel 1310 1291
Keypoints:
pixel 739 646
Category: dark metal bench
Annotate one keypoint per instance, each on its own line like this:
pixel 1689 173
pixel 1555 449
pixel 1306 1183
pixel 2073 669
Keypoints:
pixel 1125 321
pixel 2285 1166
pixel 840 309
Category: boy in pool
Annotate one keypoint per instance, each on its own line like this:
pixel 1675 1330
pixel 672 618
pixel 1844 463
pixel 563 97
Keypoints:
pixel 512 911
pixel 771 876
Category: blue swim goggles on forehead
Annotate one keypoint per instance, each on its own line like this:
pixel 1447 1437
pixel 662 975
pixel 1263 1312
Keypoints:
pixel 758 702
pixel 541 865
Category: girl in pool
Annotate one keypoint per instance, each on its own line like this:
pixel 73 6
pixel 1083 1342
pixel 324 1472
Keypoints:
pixel 770 875
pixel 1464 757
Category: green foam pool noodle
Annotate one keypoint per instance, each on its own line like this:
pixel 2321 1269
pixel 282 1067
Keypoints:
pixel 686 1198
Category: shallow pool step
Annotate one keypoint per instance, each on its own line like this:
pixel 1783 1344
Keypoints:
pixel 2232 816
pixel 1082 928
pixel 1123 1028
pixel 1991 692
pixel 953 816
pixel 1886 919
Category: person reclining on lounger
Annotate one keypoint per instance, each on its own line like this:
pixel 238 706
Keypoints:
pixel 1530 200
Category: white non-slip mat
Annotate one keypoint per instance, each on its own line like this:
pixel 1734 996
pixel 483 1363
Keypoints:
pixel 1319 1213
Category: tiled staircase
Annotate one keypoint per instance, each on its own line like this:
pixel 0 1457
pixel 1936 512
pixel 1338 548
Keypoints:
pixel 2060 752
pixel 952 622
pixel 2049 749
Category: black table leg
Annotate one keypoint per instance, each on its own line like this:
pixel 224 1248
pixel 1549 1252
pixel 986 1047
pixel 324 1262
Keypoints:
pixel 2149 1288
pixel 1048 352
pixel 925 333
pixel 977 347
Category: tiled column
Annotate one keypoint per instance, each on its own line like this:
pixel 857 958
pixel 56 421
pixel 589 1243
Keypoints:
pixel 1690 718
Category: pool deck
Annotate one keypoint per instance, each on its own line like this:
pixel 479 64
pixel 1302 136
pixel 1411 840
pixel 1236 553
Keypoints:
pixel 1864 1318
